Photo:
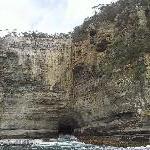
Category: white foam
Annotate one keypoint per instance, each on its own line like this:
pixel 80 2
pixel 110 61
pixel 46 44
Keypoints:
pixel 64 142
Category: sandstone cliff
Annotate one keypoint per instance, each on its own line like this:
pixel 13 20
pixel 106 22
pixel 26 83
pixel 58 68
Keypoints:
pixel 111 69
pixel 32 92
pixel 94 81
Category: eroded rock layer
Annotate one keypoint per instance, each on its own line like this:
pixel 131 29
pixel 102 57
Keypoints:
pixel 93 81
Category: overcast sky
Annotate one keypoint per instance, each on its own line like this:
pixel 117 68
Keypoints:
pixel 45 15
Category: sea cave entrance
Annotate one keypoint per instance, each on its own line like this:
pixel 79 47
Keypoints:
pixel 66 126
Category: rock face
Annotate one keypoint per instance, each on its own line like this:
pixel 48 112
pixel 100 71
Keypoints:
pixel 32 92
pixel 94 81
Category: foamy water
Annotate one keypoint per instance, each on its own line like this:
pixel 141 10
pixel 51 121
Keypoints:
pixel 62 143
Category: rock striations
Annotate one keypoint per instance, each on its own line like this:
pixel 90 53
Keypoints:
pixel 94 81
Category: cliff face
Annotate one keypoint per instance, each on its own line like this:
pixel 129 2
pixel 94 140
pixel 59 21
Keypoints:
pixel 111 72
pixel 96 82
pixel 32 92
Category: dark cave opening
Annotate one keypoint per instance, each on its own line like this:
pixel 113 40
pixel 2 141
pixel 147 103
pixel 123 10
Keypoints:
pixel 65 129
pixel 67 126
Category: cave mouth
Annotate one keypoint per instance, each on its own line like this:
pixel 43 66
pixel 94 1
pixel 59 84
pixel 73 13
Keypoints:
pixel 66 126
pixel 65 129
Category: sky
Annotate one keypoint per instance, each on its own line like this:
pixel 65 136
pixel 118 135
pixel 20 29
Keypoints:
pixel 49 16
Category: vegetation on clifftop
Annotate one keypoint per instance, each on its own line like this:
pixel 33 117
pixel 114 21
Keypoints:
pixel 109 13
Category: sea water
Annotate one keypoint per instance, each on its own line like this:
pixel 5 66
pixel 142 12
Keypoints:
pixel 62 143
